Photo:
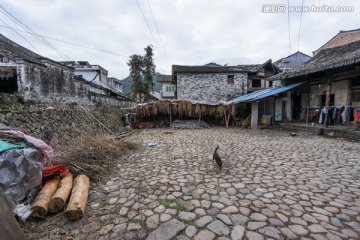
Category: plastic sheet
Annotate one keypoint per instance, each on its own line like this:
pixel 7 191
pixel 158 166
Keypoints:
pixel 4 146
pixel 20 171
pixel 45 149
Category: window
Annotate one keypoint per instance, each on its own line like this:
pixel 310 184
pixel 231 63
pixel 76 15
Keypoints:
pixel 170 88
pixel 5 59
pixel 231 79
pixel 256 83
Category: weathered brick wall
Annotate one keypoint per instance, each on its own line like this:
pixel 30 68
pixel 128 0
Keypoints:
pixel 212 87
pixel 60 124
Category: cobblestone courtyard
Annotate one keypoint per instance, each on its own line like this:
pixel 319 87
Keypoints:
pixel 272 186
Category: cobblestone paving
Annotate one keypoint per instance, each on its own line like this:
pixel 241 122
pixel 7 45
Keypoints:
pixel 272 186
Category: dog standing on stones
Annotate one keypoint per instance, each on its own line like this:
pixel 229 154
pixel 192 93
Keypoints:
pixel 217 159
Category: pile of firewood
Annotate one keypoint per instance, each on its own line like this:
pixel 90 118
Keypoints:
pixel 56 191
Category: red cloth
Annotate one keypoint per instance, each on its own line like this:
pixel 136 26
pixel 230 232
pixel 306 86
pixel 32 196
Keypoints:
pixel 53 171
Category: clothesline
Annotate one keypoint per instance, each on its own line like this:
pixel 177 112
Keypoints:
pixel 317 106
pixel 343 114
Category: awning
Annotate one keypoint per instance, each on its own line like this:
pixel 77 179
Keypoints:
pixel 262 94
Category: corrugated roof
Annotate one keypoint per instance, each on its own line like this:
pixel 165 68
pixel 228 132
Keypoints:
pixel 262 94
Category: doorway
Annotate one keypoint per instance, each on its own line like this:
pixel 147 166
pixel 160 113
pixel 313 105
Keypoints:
pixel 278 110
pixel 296 109
pixel 323 100
pixel 8 82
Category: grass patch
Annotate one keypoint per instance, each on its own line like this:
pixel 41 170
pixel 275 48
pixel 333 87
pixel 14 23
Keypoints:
pixel 109 222
pixel 168 203
pixel 142 223
pixel 104 203
pixel 189 222
pixel 172 204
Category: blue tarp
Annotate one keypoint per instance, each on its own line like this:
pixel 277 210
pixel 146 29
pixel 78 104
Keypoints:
pixel 262 94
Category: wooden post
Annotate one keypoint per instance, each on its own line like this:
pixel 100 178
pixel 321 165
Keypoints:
pixel 40 205
pixel 79 195
pixel 170 108
pixel 254 114
pixel 328 93
pixel 58 201
pixel 199 119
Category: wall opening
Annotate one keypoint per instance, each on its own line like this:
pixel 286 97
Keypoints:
pixel 296 108
pixel 323 100
pixel 256 83
pixel 230 79
pixel 8 82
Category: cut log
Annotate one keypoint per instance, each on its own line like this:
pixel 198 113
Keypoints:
pixel 39 208
pixel 62 194
pixel 79 194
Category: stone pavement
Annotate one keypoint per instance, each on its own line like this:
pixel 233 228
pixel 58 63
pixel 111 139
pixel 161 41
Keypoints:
pixel 272 186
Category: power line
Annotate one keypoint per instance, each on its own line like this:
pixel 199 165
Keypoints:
pixel 302 5
pixel 152 35
pixel 70 43
pixel 288 6
pixel 21 36
pixel 25 26
pixel 157 30
pixel 74 44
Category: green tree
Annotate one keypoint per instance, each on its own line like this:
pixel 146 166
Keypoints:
pixel 136 63
pixel 142 69
pixel 149 67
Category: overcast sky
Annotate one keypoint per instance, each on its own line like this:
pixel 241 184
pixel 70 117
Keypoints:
pixel 192 32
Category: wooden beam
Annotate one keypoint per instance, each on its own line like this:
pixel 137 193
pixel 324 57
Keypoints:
pixel 345 75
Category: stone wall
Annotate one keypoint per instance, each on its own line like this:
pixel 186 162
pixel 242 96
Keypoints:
pixel 339 88
pixel 211 87
pixel 54 82
pixel 50 81
pixel 62 123
pixel 341 91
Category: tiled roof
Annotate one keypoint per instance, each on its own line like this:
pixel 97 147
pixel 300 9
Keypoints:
pixel 164 78
pixel 342 38
pixel 326 59
pixel 215 69
pixel 292 61
pixel 15 50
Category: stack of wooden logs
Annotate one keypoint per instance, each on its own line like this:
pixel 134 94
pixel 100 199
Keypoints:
pixel 56 191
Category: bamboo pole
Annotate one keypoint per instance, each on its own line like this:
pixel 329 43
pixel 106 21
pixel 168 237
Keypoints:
pixel 79 195
pixel 61 195
pixel 39 207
